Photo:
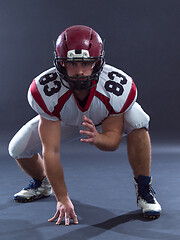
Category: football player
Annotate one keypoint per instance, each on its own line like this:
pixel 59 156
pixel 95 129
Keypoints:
pixel 82 97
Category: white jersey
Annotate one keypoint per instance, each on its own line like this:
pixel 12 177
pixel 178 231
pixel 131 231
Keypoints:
pixel 114 94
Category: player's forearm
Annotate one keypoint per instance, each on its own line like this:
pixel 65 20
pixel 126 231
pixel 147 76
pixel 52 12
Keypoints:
pixel 108 141
pixel 55 174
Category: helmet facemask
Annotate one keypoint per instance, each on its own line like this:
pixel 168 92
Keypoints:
pixel 83 82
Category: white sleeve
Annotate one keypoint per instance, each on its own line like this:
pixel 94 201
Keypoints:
pixel 38 109
pixel 41 102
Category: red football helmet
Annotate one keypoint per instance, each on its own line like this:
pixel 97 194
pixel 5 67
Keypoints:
pixel 79 43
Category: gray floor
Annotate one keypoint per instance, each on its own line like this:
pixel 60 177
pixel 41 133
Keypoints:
pixel 101 187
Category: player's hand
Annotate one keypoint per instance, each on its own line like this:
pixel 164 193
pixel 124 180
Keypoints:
pixel 64 209
pixel 90 131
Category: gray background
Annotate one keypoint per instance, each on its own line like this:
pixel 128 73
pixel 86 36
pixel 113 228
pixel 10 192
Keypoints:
pixel 142 38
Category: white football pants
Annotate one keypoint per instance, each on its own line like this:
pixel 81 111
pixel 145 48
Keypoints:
pixel 27 142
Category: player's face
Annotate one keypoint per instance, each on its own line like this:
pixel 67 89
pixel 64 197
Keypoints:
pixel 79 69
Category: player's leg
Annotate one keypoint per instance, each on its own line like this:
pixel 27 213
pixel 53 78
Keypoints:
pixel 33 166
pixel 136 123
pixel 25 147
pixel 139 152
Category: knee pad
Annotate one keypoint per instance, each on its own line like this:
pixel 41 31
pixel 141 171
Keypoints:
pixel 26 142
pixel 135 118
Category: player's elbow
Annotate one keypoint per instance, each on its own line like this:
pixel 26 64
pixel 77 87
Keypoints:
pixel 114 145
pixel 115 141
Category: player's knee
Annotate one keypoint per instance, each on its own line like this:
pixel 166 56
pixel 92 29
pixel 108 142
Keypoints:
pixel 141 122
pixel 26 141
pixel 139 134
pixel 14 149
pixel 136 118
pixel 18 146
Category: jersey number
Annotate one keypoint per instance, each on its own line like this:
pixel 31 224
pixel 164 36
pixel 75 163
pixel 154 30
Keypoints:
pixel 46 79
pixel 115 87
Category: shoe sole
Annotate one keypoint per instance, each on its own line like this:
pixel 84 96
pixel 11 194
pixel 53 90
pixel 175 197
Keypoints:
pixel 30 199
pixel 151 215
